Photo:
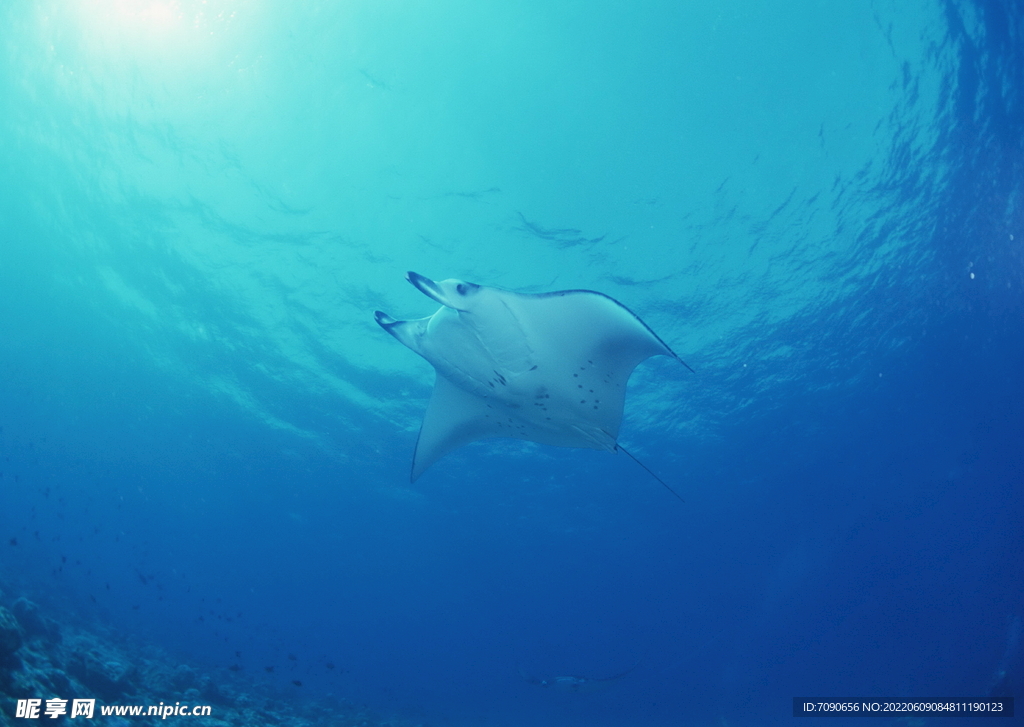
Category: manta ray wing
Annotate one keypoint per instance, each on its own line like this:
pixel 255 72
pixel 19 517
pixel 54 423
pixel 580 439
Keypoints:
pixel 588 346
pixel 456 417
pixel 581 324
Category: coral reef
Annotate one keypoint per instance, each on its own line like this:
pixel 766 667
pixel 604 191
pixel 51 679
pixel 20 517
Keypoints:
pixel 41 658
pixel 10 635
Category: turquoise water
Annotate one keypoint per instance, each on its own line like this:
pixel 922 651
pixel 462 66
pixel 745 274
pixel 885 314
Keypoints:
pixel 817 205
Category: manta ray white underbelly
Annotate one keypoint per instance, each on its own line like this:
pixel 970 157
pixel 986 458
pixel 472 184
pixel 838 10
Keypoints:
pixel 549 368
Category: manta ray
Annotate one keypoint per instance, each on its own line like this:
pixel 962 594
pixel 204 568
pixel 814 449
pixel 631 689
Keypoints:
pixel 576 684
pixel 549 368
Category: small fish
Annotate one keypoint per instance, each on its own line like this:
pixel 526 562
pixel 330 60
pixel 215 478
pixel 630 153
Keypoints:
pixel 577 684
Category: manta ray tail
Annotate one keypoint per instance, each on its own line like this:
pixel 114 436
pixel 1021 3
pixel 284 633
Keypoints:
pixel 623 449
pixel 624 673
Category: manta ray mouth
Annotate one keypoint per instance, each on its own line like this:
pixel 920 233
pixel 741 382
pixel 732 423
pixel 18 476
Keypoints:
pixel 428 287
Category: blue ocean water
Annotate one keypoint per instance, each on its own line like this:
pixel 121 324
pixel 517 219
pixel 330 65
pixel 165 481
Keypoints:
pixel 206 438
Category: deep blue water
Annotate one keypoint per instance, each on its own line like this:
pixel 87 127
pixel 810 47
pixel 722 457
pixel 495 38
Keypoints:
pixel 818 205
